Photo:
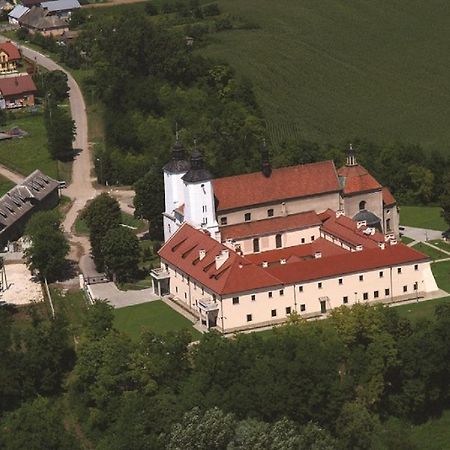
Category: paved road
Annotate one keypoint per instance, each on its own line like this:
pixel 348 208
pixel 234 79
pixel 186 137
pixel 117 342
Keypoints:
pixel 421 234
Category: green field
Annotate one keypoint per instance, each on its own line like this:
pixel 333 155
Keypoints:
pixel 330 70
pixel 441 244
pixel 430 251
pixel 441 272
pixel 29 153
pixel 155 316
pixel 5 185
pixel 422 217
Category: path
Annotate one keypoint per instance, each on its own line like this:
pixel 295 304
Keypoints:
pixel 421 234
pixel 11 175
pixel 111 3
pixel 121 299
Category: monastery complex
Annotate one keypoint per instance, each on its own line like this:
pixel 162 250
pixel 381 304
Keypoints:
pixel 246 251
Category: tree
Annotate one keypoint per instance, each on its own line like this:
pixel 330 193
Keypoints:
pixel 101 215
pixel 49 246
pixel 99 320
pixel 121 253
pixel 60 131
pixel 197 431
pixel 149 201
pixel 445 201
pixel 54 83
pixel 35 426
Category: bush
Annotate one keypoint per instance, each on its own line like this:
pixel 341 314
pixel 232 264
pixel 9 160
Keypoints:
pixel 151 9
pixel 22 34
pixel 211 10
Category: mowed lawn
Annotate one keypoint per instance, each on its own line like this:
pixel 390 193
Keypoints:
pixel 422 217
pixel 155 316
pixel 330 70
pixel 30 152
pixel 430 251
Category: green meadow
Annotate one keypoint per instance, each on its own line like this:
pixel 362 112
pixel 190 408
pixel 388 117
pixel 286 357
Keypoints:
pixel 331 70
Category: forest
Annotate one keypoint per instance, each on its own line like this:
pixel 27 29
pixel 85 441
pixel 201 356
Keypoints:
pixel 354 381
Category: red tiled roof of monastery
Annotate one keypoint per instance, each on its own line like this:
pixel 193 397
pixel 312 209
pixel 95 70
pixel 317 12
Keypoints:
pixel 285 183
pixel 350 262
pixel 11 50
pixel 270 225
pixel 235 275
pixel 388 198
pixel 241 274
pixel 16 85
pixel 357 179
pixel 346 229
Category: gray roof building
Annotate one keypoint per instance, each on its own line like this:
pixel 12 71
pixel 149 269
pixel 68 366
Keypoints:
pixel 60 5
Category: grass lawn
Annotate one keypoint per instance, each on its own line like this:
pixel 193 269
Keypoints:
pixel 441 272
pixel 422 217
pixel 407 240
pixel 434 434
pixel 155 316
pixel 5 185
pixel 328 70
pixel 29 153
pixel 441 244
pixel 430 251
pixel 422 310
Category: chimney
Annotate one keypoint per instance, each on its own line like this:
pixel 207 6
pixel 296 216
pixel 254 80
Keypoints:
pixel 359 248
pixel 381 245
pixel 201 254
pixel 339 213
pixel 317 255
pixel 361 223
pixel 265 264
pixel 284 209
pixel 221 258
pixel 283 261
pixel 393 241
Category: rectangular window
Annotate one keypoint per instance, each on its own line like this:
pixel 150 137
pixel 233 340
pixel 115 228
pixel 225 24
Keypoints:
pixel 319 285
pixel 303 240
pixel 381 274
pixel 204 209
pixel 341 281
pixel 399 270
pixel 405 288
pixel 288 310
pixel 361 278
pixel 416 266
pixel 274 312
pixel 253 297
pixel 247 217
pixel 235 300
pixel 386 292
pixel 203 291
pixel 300 289
pixel 312 238
pixel 270 212
pixel 376 294
pixel 345 300
pixel 270 294
pixel 302 307
pixel 185 296
pixel 223 221
pixel 249 318
pixel 365 296
pixel 176 289
pixel 281 292
pixel 416 286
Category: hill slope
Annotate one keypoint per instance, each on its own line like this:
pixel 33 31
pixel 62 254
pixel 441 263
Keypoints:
pixel 333 69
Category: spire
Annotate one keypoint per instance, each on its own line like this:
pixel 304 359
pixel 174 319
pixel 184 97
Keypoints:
pixel 266 168
pixel 351 158
pixel 197 172
pixel 178 164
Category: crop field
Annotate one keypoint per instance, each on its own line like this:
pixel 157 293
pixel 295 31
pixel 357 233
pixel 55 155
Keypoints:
pixel 331 70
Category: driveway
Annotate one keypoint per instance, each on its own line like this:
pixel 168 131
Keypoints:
pixel 421 234
pixel 118 298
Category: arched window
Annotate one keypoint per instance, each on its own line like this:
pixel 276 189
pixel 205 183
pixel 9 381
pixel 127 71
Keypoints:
pixel 362 205
pixel 278 243
pixel 388 224
pixel 255 245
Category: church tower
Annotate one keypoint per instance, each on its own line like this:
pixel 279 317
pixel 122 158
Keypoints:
pixel 199 208
pixel 174 171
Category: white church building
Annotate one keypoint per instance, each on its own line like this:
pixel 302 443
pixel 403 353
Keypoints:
pixel 246 251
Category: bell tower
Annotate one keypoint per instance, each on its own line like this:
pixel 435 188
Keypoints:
pixel 351 157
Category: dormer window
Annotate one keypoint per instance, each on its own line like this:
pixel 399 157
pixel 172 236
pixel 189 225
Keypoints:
pixel 270 212
pixel 362 205
pixel 247 217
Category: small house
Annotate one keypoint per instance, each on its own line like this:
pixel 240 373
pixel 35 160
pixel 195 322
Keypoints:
pixel 9 57
pixel 17 13
pixel 61 8
pixel 17 91
pixel 40 20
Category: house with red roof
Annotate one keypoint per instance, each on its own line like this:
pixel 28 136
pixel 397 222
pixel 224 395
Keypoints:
pixel 9 57
pixel 17 91
pixel 231 291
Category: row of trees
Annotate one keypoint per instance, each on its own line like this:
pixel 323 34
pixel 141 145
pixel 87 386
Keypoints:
pixel 115 248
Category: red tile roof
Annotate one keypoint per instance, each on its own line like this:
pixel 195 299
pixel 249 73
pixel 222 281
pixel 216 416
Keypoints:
pixel 243 274
pixel 357 179
pixel 388 198
pixel 235 275
pixel 270 226
pixel 286 183
pixel 17 85
pixel 350 262
pixel 346 230
pixel 11 50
